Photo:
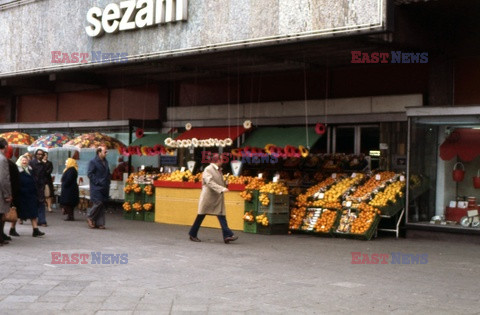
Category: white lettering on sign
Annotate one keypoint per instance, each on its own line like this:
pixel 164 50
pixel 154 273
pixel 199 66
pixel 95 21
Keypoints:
pixel 131 14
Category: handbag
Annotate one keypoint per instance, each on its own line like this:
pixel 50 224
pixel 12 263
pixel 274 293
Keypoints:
pixel 11 215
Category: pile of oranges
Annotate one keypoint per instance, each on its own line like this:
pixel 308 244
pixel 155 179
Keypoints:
pixel 326 221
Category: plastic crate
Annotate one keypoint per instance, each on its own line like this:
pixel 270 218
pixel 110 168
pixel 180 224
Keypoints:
pixel 309 223
pixel 365 236
pixel 149 198
pixel 272 229
pixel 139 215
pixel 278 218
pixel 128 215
pixel 278 204
pixel 250 227
pixel 130 197
pixel 253 204
pixel 149 216
pixel 394 208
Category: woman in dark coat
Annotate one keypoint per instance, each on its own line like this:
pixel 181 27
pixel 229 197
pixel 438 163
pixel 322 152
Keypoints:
pixel 49 191
pixel 69 196
pixel 28 201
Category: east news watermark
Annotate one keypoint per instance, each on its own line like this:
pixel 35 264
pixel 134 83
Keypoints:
pixel 98 56
pixel 92 258
pixel 389 57
pixel 395 258
pixel 251 158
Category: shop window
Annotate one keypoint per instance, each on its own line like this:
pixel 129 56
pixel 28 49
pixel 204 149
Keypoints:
pixel 443 161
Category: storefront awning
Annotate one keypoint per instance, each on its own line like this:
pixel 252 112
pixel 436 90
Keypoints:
pixel 153 139
pixel 281 137
pixel 202 133
pixel 463 142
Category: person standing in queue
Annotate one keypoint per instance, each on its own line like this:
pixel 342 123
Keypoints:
pixel 39 173
pixel 5 187
pixel 212 200
pixel 28 200
pixel 15 183
pixel 69 196
pixel 49 190
pixel 99 175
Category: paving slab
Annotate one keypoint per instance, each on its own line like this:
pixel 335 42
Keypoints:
pixel 165 273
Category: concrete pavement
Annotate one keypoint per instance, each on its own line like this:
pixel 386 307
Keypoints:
pixel 287 274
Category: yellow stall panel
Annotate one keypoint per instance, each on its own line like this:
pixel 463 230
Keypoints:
pixel 179 206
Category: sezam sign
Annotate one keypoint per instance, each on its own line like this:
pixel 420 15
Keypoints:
pixel 133 14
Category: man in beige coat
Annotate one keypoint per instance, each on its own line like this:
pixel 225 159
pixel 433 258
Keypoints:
pixel 5 187
pixel 212 201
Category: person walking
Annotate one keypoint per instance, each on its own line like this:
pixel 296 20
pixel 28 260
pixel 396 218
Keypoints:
pixel 28 204
pixel 212 201
pixel 5 187
pixel 99 176
pixel 39 173
pixel 69 196
pixel 49 191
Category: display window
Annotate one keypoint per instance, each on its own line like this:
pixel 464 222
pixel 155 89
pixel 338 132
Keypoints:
pixel 444 171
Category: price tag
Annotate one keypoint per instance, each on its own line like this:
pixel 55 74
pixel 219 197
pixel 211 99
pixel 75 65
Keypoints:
pixel 354 175
pixel 161 169
pixel 321 195
pixel 142 167
pixel 334 175
pixel 260 175
pixel 275 179
pixel 378 177
pixel 402 178
pixel 182 169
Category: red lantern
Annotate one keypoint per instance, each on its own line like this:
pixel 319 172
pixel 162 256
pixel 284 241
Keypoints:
pixel 320 129
pixel 139 133
pixel 458 174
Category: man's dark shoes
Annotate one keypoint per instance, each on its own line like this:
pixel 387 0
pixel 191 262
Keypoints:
pixel 13 232
pixel 194 239
pixel 230 239
pixel 36 232
pixel 5 237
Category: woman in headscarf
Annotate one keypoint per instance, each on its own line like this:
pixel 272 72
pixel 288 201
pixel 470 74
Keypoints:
pixel 69 196
pixel 28 201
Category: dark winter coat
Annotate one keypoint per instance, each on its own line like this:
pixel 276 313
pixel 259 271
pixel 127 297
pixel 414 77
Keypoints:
pixel 14 182
pixel 48 177
pixel 28 203
pixel 99 175
pixel 69 195
pixel 39 172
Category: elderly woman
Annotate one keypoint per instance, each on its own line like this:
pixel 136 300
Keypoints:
pixel 69 196
pixel 28 201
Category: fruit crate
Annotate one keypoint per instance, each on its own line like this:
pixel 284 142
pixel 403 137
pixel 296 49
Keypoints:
pixel 253 204
pixel 128 215
pixel 392 209
pixel 250 227
pixel 278 218
pixel 278 204
pixel 272 229
pixel 311 218
pixel 365 236
pixel 140 196
pixel 149 216
pixel 130 197
pixel 148 198
pixel 139 215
